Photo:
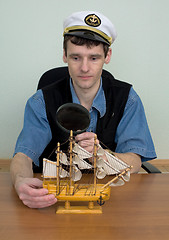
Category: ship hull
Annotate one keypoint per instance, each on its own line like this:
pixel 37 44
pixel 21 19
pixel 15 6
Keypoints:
pixel 77 192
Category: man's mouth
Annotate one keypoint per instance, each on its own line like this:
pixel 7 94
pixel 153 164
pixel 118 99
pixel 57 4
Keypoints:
pixel 85 77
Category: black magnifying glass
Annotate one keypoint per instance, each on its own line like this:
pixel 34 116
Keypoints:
pixel 73 116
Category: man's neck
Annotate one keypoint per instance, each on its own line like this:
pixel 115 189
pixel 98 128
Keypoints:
pixel 86 96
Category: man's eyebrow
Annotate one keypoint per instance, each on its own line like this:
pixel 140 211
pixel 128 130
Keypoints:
pixel 91 55
pixel 74 54
pixel 96 55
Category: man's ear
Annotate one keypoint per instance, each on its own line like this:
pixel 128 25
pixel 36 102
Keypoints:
pixel 108 57
pixel 64 57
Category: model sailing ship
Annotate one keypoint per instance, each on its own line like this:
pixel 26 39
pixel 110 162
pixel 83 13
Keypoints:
pixel 65 178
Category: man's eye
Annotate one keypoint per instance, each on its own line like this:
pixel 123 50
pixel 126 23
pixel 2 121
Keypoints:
pixel 75 58
pixel 94 58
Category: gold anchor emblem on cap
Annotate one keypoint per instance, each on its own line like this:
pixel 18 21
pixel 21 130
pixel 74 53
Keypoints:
pixel 92 20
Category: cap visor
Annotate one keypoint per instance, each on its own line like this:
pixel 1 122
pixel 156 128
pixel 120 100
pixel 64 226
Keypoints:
pixel 87 35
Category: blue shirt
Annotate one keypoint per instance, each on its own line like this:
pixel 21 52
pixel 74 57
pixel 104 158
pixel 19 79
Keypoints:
pixel 99 104
pixel 132 133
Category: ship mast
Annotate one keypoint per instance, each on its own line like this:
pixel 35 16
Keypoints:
pixel 95 158
pixel 71 161
pixel 58 158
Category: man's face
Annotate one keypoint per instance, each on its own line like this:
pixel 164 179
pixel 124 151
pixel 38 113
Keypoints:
pixel 85 65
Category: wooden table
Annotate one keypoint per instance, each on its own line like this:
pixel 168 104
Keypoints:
pixel 137 210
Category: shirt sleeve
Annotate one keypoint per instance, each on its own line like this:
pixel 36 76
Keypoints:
pixel 133 133
pixel 36 132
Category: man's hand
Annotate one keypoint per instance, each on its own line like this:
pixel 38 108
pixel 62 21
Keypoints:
pixel 30 190
pixel 86 141
pixel 32 193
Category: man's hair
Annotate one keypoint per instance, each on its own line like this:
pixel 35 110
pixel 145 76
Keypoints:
pixel 83 41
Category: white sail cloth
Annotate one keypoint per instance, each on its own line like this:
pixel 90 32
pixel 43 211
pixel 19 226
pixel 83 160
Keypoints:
pixel 111 166
pixel 50 171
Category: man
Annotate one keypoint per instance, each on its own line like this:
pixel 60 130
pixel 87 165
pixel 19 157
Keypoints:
pixel 117 114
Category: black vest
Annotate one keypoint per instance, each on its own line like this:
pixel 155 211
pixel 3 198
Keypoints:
pixel 116 94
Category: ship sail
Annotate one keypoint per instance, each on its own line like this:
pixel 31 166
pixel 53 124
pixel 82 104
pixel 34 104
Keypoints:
pixel 77 174
pixel 82 164
pixel 80 155
pixel 63 158
pixel 49 170
pixel 112 166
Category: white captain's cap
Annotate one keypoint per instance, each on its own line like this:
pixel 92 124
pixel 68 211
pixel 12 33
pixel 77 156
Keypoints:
pixel 90 25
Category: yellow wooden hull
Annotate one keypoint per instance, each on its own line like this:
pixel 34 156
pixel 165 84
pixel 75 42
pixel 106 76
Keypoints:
pixel 78 192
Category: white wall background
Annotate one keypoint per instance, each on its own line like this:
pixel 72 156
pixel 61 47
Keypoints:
pixel 31 43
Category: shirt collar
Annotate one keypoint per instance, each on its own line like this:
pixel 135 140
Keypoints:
pixel 99 102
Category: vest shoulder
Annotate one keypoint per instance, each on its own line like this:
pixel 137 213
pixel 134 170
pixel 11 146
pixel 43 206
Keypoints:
pixel 52 75
pixel 57 92
pixel 59 85
pixel 110 81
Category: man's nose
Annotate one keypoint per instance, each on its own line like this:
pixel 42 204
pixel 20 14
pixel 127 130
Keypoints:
pixel 85 65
